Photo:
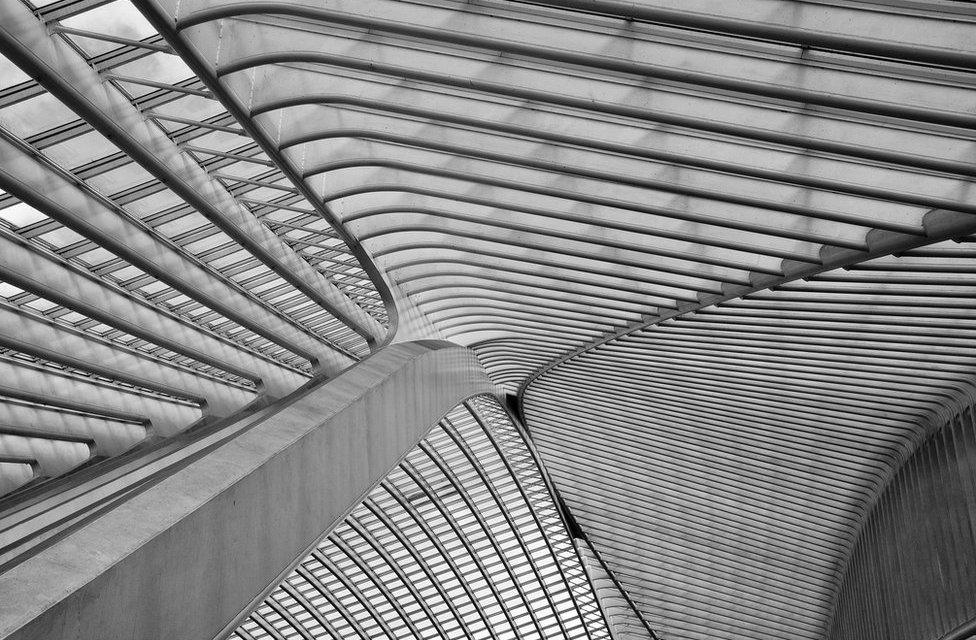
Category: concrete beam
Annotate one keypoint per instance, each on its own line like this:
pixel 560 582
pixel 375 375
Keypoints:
pixel 54 456
pixel 185 557
pixel 15 472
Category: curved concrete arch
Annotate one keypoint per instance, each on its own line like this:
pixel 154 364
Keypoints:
pixel 437 137
pixel 433 163
pixel 381 103
pixel 633 106
pixel 521 259
pixel 470 35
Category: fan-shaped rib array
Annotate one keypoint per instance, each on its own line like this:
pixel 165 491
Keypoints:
pixel 533 176
pixel 156 268
pixel 724 462
pixel 925 526
pixel 721 250
pixel 461 540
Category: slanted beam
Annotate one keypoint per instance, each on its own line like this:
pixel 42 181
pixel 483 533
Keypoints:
pixel 269 492
pixel 48 276
pixel 16 471
pixel 39 185
pixel 43 385
pixel 55 456
pixel 111 437
pixel 43 338
pixel 65 74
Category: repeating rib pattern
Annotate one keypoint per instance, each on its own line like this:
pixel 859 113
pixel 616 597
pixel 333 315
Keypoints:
pixel 723 463
pixel 924 526
pixel 461 540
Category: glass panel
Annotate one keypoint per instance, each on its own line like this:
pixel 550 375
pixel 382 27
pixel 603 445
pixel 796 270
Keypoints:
pixel 33 116
pixel 119 18
pixel 21 214
pixel 80 150
pixel 10 74
pixel 157 67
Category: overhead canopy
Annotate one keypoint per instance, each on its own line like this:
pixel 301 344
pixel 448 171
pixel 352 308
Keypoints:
pixel 722 250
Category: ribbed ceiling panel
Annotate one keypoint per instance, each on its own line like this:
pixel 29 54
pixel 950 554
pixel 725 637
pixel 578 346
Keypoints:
pixel 652 203
pixel 723 463
pixel 925 525
pixel 534 175
pixel 461 540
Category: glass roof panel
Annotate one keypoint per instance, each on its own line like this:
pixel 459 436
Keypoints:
pixel 157 67
pixel 80 150
pixel 153 203
pixel 35 115
pixel 21 215
pixel 118 180
pixel 61 237
pixel 10 74
pixel 118 18
pixel 190 107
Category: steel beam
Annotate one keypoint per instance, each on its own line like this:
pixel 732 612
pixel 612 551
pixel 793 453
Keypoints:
pixel 766 74
pixel 856 31
pixel 401 88
pixel 66 75
pixel 545 120
pixel 35 335
pixel 632 193
pixel 159 15
pixel 939 226
pixel 599 157
pixel 52 193
pixel 44 385
pixel 110 437
pixel 44 274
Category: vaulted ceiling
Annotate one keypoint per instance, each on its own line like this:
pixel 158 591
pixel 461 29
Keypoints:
pixel 723 252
